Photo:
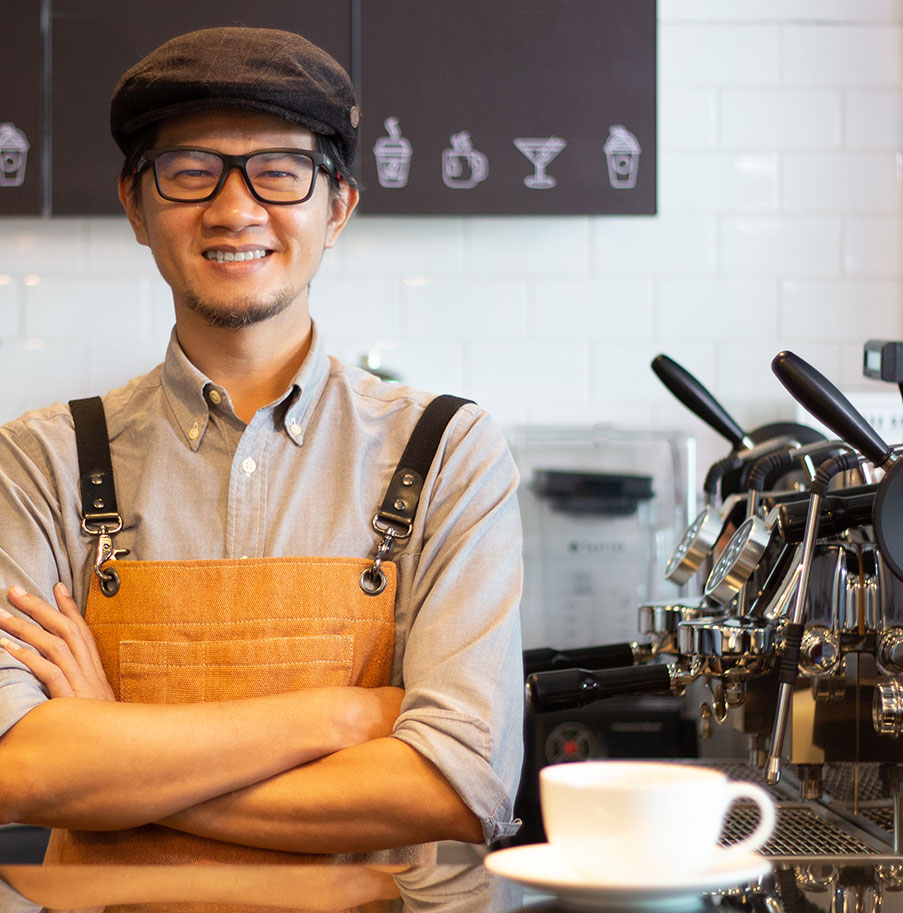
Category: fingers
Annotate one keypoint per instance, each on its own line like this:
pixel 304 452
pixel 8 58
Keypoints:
pixel 45 637
pixel 63 640
pixel 69 607
pixel 46 672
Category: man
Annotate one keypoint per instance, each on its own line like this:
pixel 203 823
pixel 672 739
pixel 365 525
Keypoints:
pixel 238 678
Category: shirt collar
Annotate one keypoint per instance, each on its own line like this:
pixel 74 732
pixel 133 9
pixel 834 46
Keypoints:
pixel 190 392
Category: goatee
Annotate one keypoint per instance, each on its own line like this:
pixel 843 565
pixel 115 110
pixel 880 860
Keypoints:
pixel 234 315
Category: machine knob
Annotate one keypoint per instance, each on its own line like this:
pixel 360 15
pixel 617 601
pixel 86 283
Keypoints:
pixel 887 708
pixel 890 651
pixel 819 650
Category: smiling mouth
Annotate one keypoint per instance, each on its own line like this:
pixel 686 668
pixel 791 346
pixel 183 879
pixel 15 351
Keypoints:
pixel 231 256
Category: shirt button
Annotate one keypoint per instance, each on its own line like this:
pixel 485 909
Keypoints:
pixel 215 397
pixel 294 429
pixel 248 466
pixel 194 432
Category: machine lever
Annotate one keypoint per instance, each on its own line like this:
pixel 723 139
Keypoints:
pixel 608 656
pixel 698 400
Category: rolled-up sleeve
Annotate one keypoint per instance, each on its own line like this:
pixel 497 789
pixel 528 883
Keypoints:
pixel 463 661
pixel 11 901
pixel 32 550
pixel 19 693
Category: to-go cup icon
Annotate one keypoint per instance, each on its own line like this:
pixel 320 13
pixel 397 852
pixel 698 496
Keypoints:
pixel 13 155
pixel 622 152
pixel 393 156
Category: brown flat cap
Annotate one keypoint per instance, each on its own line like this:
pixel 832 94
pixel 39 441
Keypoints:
pixel 265 70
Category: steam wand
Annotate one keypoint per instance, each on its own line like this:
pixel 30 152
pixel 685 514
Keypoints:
pixel 793 630
pixel 817 394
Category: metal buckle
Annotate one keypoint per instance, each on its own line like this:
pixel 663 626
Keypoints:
pixel 389 529
pixel 103 524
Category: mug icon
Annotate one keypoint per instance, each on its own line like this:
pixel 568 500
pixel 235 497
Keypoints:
pixel 13 155
pixel 462 166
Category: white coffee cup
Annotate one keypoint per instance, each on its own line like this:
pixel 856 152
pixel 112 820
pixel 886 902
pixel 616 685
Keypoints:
pixel 626 819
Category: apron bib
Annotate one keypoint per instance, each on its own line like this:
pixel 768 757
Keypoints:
pixel 179 632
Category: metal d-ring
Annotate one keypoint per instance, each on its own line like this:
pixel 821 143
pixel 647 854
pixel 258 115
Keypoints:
pixel 109 582
pixel 373 579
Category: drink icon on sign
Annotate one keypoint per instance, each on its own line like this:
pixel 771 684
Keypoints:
pixel 393 156
pixel 540 152
pixel 462 166
pixel 13 155
pixel 623 154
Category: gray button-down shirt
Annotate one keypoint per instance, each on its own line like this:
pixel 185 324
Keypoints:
pixel 304 477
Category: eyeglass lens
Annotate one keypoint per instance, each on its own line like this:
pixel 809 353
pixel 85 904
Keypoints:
pixel 277 177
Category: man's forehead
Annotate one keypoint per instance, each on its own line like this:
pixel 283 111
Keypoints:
pixel 232 125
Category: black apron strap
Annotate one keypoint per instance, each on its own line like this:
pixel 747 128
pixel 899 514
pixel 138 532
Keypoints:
pixel 395 518
pixel 95 468
pixel 403 494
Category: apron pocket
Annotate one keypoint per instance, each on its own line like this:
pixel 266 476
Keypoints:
pixel 162 672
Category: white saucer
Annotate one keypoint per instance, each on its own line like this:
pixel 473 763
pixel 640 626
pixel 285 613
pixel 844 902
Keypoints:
pixel 544 867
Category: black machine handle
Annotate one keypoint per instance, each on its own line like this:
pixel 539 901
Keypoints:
pixel 609 656
pixel 840 511
pixel 815 393
pixel 697 399
pixel 566 689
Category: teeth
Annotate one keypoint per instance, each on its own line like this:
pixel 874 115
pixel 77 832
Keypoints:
pixel 228 256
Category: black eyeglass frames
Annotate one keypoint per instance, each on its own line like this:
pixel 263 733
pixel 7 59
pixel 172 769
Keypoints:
pixel 189 174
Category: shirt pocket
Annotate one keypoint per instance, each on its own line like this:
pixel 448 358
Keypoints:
pixel 164 672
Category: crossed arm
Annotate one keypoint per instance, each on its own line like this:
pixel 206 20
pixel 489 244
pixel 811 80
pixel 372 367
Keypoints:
pixel 310 771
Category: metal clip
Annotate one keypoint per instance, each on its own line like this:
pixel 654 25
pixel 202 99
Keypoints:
pixel 108 578
pixel 373 578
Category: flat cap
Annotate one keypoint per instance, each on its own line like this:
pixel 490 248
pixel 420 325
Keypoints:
pixel 265 70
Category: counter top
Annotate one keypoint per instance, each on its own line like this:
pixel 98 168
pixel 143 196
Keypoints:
pixel 806 886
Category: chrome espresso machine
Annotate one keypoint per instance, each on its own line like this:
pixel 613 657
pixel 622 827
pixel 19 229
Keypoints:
pixel 788 633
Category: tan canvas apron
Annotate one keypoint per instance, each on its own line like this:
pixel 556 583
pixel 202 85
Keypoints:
pixel 177 632
pixel 218 630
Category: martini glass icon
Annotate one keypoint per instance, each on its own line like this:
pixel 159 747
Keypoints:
pixel 540 152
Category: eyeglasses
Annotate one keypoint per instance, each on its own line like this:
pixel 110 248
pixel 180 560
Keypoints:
pixel 186 174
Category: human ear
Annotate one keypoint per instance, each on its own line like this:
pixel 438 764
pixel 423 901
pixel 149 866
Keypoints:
pixel 341 205
pixel 133 210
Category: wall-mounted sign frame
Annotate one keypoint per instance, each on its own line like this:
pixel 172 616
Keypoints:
pixel 503 108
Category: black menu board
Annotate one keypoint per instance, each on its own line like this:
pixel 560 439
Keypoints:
pixel 508 106
pixel 21 109
pixel 95 41
pixel 505 107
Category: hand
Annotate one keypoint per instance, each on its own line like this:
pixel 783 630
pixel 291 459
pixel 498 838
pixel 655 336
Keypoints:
pixel 66 661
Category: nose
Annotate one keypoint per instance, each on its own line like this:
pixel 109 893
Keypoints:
pixel 234 207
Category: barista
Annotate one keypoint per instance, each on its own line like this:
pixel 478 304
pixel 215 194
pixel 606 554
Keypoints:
pixel 228 699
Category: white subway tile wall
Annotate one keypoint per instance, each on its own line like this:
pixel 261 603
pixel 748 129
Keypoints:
pixel 780 226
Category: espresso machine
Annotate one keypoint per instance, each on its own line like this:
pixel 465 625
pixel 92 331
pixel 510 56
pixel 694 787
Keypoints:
pixel 788 630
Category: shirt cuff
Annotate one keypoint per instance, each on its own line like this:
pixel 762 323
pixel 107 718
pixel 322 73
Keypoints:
pixel 460 747
pixel 19 694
